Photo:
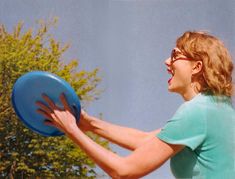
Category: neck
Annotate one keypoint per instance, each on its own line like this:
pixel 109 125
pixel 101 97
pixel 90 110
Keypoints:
pixel 189 95
pixel 191 92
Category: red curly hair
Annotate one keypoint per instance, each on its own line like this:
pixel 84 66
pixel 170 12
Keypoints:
pixel 216 74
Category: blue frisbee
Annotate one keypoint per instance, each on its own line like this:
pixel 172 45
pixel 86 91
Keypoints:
pixel 29 88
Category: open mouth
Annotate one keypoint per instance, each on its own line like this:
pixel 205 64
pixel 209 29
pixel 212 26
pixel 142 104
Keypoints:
pixel 171 72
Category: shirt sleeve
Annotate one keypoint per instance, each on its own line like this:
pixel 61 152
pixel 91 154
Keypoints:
pixel 187 127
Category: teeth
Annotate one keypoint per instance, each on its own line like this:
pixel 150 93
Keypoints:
pixel 170 72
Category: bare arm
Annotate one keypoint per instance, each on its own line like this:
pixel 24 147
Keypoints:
pixel 145 158
pixel 123 136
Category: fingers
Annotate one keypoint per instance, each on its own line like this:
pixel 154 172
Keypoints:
pixel 65 103
pixel 49 123
pixel 49 101
pixel 45 114
pixel 43 107
pixel 49 119
pixel 84 114
pixel 51 109
pixel 75 111
pixel 52 105
pixel 45 110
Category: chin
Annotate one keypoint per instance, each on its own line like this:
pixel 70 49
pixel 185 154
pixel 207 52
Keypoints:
pixel 170 89
pixel 173 90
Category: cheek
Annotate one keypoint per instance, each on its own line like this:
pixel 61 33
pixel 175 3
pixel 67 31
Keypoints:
pixel 184 75
pixel 185 78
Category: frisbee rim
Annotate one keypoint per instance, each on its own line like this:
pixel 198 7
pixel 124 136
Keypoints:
pixel 60 80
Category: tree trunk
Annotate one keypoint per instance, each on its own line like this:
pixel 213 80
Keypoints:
pixel 12 170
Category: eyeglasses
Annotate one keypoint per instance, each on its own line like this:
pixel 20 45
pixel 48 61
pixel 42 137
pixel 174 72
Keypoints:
pixel 175 53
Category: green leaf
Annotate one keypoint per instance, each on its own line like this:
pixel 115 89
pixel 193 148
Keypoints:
pixel 25 154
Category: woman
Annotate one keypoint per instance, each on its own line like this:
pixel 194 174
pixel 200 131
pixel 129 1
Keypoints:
pixel 199 139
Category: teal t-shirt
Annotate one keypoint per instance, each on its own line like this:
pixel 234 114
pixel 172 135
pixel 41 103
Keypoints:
pixel 206 126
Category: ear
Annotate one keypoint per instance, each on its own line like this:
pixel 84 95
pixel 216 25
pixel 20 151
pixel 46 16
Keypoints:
pixel 197 67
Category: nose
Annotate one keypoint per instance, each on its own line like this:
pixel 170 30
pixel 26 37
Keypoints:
pixel 168 62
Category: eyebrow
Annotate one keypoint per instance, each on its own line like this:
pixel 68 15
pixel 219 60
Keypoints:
pixel 176 53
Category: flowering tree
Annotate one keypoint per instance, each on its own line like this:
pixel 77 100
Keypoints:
pixel 22 152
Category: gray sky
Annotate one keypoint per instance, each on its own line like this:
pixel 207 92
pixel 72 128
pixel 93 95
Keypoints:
pixel 129 41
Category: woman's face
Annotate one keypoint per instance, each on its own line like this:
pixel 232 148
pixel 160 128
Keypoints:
pixel 180 67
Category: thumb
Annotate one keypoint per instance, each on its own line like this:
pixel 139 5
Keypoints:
pixel 48 123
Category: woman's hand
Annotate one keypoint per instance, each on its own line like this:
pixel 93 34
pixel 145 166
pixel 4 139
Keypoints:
pixel 61 118
pixel 85 121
